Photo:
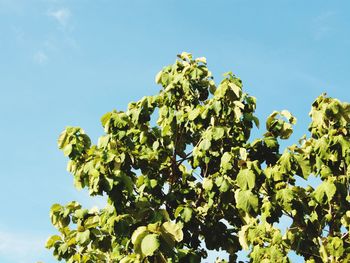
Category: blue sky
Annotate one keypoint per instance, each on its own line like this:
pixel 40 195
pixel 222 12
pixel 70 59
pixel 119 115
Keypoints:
pixel 69 62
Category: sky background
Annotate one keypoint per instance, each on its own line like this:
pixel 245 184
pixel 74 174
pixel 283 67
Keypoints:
pixel 68 62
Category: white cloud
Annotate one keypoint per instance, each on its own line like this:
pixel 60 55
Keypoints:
pixel 324 17
pixel 20 247
pixel 322 25
pixel 12 6
pixel 61 15
pixel 322 32
pixel 19 34
pixel 40 57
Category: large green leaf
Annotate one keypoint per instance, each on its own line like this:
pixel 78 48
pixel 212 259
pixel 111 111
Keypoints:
pixel 137 234
pixel 247 201
pixel 193 114
pixel 285 198
pixel 149 244
pixel 246 179
pixel 226 161
pixel 205 145
pixel 207 184
pixel 218 133
pixel 186 214
pixel 304 165
pixel 52 240
pixel 175 230
pixel 83 237
pixel 325 189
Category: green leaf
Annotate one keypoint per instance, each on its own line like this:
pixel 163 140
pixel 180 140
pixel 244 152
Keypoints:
pixel 207 184
pixel 271 142
pixel 67 150
pixel 52 240
pixel 178 210
pixel 130 259
pixel 55 208
pixel 224 186
pixel 153 183
pixel 128 183
pixel 154 227
pixel 186 214
pixel 289 116
pixel 304 165
pixel 285 197
pixel 285 162
pixel 226 161
pixel 246 200
pixel 218 133
pixel 202 60
pixel 155 145
pixel 335 246
pixel 158 77
pixel 235 89
pixel 246 179
pixel 62 140
pixel 185 56
pixel 83 238
pixel 205 145
pixel 138 233
pixel 242 237
pixel 327 189
pixel 217 106
pixel 149 244
pixel 243 153
pixel 194 114
pixel 137 238
pixel 322 147
pixel 175 230
pixel 92 221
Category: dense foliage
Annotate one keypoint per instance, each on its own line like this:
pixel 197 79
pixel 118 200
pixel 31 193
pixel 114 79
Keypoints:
pixel 182 177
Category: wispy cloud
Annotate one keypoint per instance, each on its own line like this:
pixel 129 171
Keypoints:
pixel 324 16
pixel 12 6
pixel 20 247
pixel 61 36
pixel 62 16
pixel 18 34
pixel 40 57
pixel 322 25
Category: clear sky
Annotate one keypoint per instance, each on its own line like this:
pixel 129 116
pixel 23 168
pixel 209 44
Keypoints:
pixel 68 62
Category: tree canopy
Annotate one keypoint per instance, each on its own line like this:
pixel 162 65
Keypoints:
pixel 182 176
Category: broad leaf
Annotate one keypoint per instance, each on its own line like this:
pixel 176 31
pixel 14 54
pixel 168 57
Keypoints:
pixel 149 244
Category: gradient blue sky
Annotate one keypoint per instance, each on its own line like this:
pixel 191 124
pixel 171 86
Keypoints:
pixel 69 62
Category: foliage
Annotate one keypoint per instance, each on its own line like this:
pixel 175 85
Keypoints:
pixel 182 177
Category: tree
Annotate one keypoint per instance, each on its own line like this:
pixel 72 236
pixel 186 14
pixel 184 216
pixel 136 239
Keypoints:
pixel 182 176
